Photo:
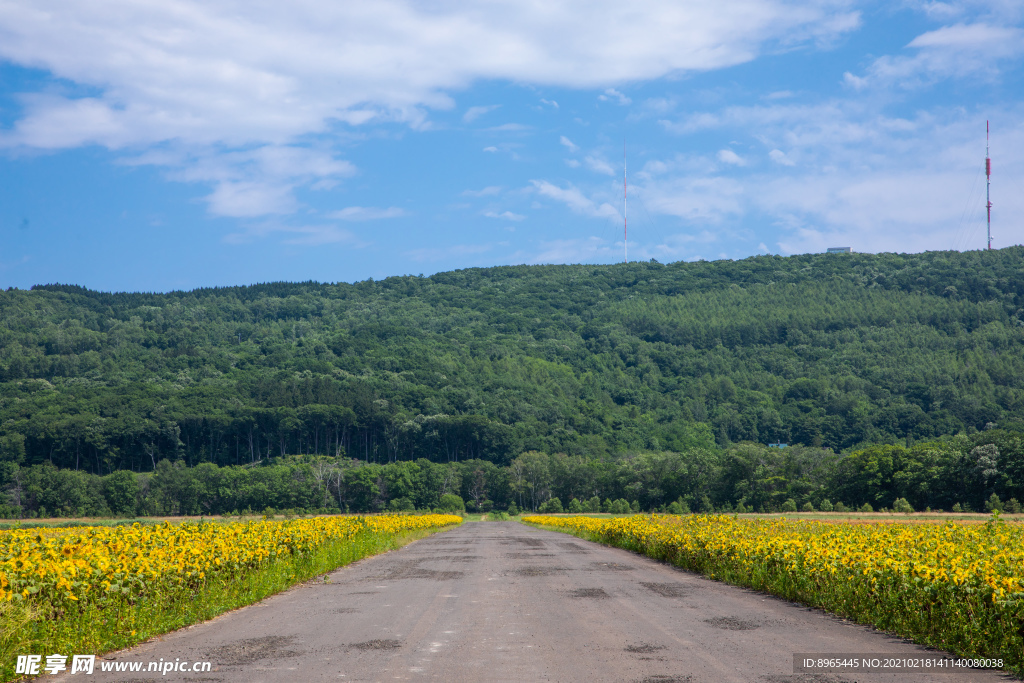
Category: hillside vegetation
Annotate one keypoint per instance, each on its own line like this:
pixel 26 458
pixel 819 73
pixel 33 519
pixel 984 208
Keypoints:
pixel 827 351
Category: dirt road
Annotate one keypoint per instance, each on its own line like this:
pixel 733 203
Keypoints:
pixel 499 601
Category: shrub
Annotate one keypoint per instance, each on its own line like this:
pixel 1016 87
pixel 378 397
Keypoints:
pixel 550 506
pixel 401 505
pixel 826 505
pixel 592 505
pixel 1012 505
pixel 789 505
pixel 450 503
pixel 679 507
pixel 840 507
pixel 513 509
pixel 575 506
pixel 901 505
pixel 866 507
pixel 807 507
pixel 957 507
pixel 619 507
pixel 994 504
pixel 606 506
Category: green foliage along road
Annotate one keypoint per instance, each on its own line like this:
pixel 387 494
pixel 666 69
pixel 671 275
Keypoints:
pixel 836 351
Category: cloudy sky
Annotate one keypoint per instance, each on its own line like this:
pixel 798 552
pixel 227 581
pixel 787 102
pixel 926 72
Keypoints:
pixel 173 144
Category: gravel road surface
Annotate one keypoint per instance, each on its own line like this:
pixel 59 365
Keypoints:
pixel 500 601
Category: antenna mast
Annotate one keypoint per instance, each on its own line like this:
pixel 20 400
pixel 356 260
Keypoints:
pixel 988 188
pixel 625 208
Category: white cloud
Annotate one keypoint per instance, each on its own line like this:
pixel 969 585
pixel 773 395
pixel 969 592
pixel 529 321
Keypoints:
pixel 956 51
pixel 301 235
pixel 577 251
pixel 575 200
pixel 488 191
pixel 201 72
pixel 251 199
pixel 851 176
pixel 442 253
pixel 213 78
pixel 727 156
pixel 492 149
pixel 572 163
pixel 505 215
pixel 697 199
pixel 599 165
pixel 253 182
pixel 474 113
pixel 613 94
pixel 366 213
pixel 1001 11
pixel 568 143
pixel 508 127
pixel 550 103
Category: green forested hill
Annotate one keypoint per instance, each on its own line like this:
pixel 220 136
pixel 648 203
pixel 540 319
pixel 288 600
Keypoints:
pixel 830 350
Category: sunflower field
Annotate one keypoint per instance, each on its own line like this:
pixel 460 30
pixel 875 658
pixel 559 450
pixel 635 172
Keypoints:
pixel 91 589
pixel 952 586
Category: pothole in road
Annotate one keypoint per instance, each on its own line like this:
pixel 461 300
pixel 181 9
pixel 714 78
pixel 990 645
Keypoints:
pixel 667 590
pixel 345 610
pixel 378 645
pixel 522 540
pixel 253 650
pixel 413 570
pixel 573 548
pixel 667 679
pixel 588 593
pixel 428 552
pixel 732 624
pixel 538 571
pixel 802 678
pixel 644 648
pixel 527 556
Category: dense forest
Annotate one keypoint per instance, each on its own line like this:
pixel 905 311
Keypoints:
pixel 599 365
pixel 983 471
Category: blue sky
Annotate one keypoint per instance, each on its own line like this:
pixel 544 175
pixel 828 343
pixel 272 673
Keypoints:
pixel 172 144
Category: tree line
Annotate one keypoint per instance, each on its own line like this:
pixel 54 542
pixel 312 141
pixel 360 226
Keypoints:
pixel 982 471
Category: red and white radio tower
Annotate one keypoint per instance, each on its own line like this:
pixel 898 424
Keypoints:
pixel 988 188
